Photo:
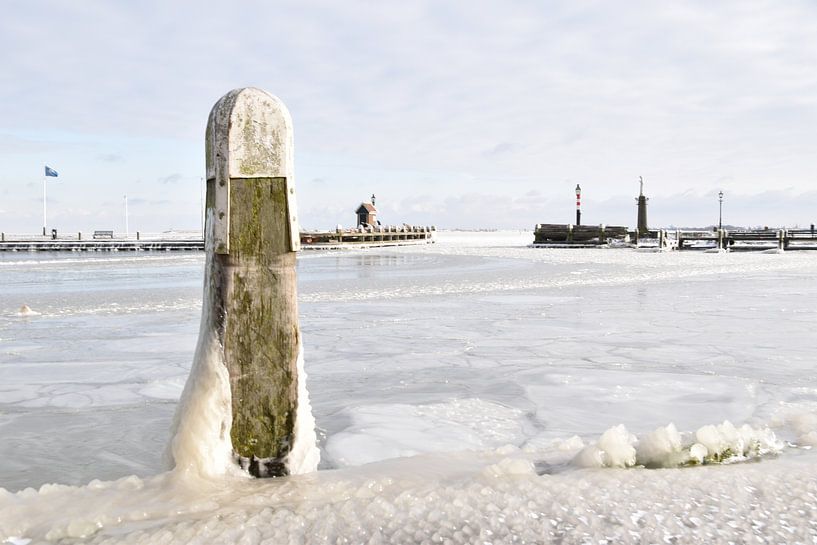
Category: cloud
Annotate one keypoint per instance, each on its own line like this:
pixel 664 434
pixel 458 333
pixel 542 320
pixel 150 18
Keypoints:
pixel 111 158
pixel 171 179
pixel 500 149
pixel 485 99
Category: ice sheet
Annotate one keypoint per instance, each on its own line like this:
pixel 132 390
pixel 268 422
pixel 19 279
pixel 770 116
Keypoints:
pixel 455 374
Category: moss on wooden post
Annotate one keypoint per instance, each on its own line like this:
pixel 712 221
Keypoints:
pixel 250 198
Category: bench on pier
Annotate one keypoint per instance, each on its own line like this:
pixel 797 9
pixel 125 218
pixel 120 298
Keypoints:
pixel 103 234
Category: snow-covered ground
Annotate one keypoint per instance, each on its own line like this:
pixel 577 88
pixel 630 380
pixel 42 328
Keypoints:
pixel 471 391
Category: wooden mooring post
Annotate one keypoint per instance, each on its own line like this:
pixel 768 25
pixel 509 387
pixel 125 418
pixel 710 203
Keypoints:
pixel 251 203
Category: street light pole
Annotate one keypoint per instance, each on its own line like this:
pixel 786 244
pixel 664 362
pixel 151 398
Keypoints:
pixel 720 210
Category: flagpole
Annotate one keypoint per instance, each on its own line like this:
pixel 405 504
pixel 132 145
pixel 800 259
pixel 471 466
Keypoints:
pixel 44 209
pixel 127 231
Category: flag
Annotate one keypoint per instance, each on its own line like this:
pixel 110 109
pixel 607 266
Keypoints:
pixel 50 172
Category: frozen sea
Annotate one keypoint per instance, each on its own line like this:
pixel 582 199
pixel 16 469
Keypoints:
pixel 470 391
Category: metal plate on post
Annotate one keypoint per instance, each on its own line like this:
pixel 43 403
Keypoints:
pixel 221 217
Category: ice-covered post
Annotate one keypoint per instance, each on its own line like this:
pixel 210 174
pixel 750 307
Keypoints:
pixel 251 204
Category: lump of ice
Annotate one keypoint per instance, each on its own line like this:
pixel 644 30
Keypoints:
pixel 615 448
pixel 510 466
pixel 666 447
pixel 660 448
pixel 25 310
pixel 725 442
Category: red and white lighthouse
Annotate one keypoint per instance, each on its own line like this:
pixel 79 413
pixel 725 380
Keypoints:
pixel 578 204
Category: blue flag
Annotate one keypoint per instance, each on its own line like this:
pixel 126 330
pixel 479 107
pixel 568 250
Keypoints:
pixel 50 172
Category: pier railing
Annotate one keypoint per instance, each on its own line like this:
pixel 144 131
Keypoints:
pixel 390 235
pixel 79 242
pixel 584 236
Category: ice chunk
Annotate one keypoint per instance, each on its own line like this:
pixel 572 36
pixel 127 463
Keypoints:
pixel 510 466
pixel 615 448
pixel 25 310
pixel 660 448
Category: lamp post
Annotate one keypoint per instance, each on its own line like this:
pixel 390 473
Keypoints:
pixel 578 204
pixel 720 210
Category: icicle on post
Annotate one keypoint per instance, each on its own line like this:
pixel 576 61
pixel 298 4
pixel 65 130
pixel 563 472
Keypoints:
pixel 251 200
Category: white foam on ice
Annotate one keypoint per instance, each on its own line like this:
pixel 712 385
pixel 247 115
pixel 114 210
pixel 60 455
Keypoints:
pixel 666 447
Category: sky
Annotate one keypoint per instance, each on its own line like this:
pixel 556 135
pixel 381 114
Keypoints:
pixel 480 114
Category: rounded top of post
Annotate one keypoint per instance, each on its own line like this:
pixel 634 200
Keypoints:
pixel 249 135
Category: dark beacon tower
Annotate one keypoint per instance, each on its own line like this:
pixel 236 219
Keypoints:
pixel 642 209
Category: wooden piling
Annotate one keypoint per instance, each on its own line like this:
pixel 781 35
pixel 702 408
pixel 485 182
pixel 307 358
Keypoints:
pixel 251 201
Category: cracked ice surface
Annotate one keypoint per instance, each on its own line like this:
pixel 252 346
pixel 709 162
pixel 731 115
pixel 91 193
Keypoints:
pixel 454 388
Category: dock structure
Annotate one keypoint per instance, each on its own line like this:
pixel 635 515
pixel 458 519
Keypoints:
pixel 405 235
pixel 76 243
pixel 370 237
pixel 548 235
pixel 747 240
pixel 552 235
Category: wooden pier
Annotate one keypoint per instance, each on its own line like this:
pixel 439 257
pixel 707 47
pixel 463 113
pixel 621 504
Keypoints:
pixel 746 240
pixel 362 237
pixel 77 243
pixel 548 235
pixel 380 236
pixel 551 235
